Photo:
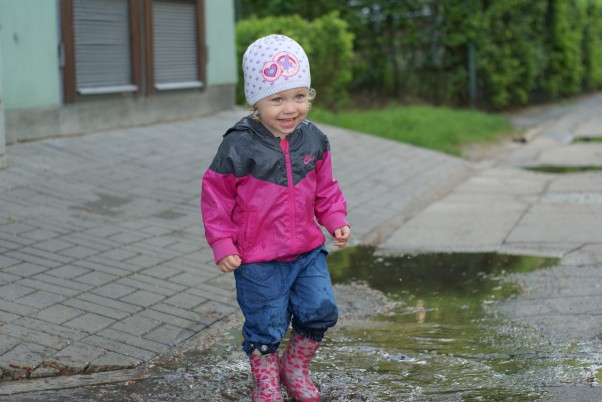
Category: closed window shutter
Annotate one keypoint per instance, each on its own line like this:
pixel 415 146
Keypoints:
pixel 175 48
pixel 102 46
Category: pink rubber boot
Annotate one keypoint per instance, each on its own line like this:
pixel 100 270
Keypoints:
pixel 266 384
pixel 294 371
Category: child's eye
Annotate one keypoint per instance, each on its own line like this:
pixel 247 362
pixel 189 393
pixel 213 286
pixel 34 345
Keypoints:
pixel 300 97
pixel 277 99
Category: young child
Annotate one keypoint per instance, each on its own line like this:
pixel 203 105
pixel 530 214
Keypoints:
pixel 269 182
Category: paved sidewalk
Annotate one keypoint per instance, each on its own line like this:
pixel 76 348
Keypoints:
pixel 103 263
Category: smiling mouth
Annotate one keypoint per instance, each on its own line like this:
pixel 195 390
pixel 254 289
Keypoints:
pixel 287 122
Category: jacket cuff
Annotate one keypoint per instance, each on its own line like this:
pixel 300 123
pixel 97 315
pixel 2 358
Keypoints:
pixel 334 221
pixel 223 248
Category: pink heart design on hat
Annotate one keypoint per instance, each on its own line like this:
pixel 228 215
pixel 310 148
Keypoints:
pixel 271 71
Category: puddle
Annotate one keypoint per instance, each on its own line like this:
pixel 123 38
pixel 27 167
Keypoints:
pixel 564 169
pixel 588 139
pixel 412 328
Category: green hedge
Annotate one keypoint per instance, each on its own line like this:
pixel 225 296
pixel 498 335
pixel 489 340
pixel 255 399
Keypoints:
pixel 524 51
pixel 537 50
pixel 592 45
pixel 328 44
pixel 511 51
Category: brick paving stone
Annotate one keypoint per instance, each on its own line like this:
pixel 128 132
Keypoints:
pixel 215 309
pixel 144 261
pixel 17 228
pixel 109 308
pixel 119 254
pixel 6 317
pixel 79 252
pixel 143 298
pixel 136 325
pixel 137 340
pixel 41 299
pixel 12 292
pixel 225 282
pixel 8 262
pixel 12 241
pixel 188 278
pixel 33 336
pixel 50 328
pixel 115 269
pixel 121 348
pixel 224 290
pixel 14 308
pixel 185 300
pixel 40 234
pixel 25 269
pixel 110 265
pixel 166 288
pixel 58 313
pixel 77 357
pixel 186 314
pixel 114 290
pixel 169 318
pixel 68 271
pixel 96 278
pixel 161 271
pixel 53 245
pixel 92 242
pixel 48 287
pixel 23 355
pixel 7 342
pixel 5 278
pixel 45 255
pixel 152 251
pixel 106 231
pixel 128 237
pixel 63 282
pixel 33 259
pixel 169 335
pixel 89 322
pixel 185 247
pixel 111 361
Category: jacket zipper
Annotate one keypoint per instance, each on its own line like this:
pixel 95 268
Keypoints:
pixel 291 195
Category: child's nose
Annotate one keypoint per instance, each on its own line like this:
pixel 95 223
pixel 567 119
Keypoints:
pixel 289 106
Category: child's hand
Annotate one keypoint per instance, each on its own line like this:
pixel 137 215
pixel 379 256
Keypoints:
pixel 229 263
pixel 342 236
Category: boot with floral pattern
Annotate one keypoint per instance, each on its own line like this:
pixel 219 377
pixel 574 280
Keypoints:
pixel 266 384
pixel 294 371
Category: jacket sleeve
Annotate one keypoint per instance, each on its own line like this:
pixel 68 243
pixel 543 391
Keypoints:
pixel 217 203
pixel 330 205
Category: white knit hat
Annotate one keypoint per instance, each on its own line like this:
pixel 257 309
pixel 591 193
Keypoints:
pixel 273 64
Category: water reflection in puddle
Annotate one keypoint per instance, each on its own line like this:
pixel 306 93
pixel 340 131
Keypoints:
pixel 445 345
pixel 558 169
pixel 412 328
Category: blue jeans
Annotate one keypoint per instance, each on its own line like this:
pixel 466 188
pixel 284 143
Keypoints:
pixel 271 293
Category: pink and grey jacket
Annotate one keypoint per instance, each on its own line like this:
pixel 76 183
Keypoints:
pixel 261 196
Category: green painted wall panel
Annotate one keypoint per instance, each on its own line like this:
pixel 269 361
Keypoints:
pixel 29 35
pixel 221 43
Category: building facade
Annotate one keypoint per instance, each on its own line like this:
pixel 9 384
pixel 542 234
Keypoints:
pixel 77 66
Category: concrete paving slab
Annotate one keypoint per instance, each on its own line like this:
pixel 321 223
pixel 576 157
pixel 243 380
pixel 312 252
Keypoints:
pixel 579 154
pixel 559 223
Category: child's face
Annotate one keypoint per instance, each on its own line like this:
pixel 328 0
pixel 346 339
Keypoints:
pixel 282 112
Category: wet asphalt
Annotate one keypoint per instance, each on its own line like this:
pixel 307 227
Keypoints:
pixel 103 264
